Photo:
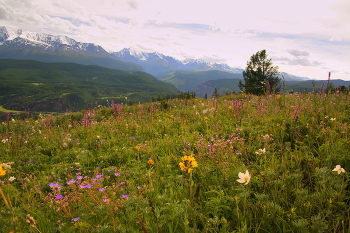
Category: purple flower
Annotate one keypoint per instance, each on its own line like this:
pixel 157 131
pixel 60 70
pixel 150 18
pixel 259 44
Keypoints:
pixel 98 176
pixel 105 200
pixel 54 185
pixel 86 186
pixel 71 181
pixel 59 196
pixel 139 187
pixel 102 189
pixel 124 196
pixel 116 174
pixel 80 177
pixel 75 219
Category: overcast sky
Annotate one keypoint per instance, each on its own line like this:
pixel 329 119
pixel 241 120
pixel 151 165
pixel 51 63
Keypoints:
pixel 303 37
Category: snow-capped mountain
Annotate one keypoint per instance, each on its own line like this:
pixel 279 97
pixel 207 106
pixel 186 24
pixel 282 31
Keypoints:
pixel 155 63
pixel 290 77
pixel 17 38
pixel 19 44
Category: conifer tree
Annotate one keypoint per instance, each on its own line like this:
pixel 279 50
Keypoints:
pixel 260 76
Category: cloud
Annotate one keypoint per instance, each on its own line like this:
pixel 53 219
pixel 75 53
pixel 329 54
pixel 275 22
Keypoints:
pixel 5 12
pixel 298 60
pixel 298 53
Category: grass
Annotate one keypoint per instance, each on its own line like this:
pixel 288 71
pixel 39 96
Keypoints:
pixel 173 165
pixel 7 110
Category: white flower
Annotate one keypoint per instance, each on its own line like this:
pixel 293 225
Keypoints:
pixel 333 119
pixel 12 178
pixel 339 169
pixel 260 151
pixel 244 178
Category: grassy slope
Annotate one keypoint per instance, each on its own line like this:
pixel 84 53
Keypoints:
pixel 107 183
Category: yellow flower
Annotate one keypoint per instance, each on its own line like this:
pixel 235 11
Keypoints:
pixel 2 171
pixel 182 166
pixel 206 118
pixel 188 163
pixel 194 163
pixel 244 178
pixel 150 161
pixel 137 147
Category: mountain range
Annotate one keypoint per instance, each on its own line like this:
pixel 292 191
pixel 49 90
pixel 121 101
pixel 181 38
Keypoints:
pixel 20 44
pixel 157 63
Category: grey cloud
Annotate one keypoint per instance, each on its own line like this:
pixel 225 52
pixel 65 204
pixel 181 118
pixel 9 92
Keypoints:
pixel 133 5
pixel 297 61
pixel 298 53
pixel 5 12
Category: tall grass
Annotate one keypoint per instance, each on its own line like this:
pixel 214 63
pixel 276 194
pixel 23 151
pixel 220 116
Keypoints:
pixel 118 169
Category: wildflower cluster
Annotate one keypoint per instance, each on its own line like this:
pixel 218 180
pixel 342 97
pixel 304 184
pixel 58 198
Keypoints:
pixel 188 163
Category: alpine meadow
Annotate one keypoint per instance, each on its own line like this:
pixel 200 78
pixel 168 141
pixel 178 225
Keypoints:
pixel 174 116
pixel 235 163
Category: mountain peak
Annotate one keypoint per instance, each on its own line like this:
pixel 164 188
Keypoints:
pixel 9 33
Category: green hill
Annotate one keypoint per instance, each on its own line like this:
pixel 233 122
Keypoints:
pixel 187 80
pixel 59 86
pixel 231 85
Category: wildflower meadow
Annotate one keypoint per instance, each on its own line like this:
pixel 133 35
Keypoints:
pixel 236 163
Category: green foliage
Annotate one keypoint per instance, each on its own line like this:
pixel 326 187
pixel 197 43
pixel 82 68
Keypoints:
pixel 260 76
pixel 117 169
pixel 59 86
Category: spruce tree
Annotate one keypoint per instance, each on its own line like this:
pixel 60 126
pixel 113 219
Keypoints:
pixel 260 76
